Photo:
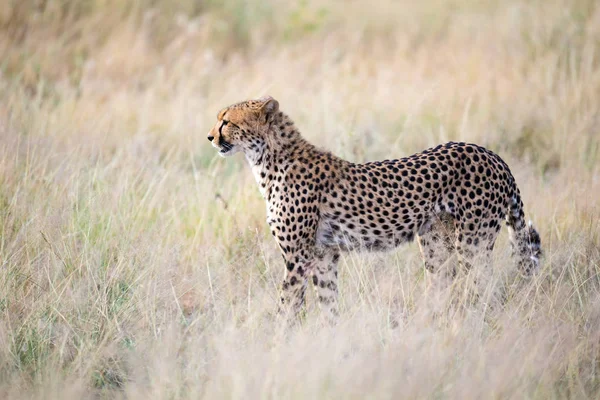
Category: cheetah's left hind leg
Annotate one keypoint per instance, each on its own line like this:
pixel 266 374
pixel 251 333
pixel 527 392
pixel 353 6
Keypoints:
pixel 436 243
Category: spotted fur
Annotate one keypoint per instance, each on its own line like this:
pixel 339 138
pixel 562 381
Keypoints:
pixel 451 198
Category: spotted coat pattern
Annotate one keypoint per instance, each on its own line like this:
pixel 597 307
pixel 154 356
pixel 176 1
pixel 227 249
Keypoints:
pixel 451 198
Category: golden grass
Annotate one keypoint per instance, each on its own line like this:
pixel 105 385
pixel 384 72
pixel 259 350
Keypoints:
pixel 136 263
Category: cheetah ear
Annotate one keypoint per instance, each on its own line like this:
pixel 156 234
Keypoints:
pixel 269 105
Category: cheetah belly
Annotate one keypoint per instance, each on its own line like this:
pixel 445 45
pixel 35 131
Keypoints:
pixel 331 233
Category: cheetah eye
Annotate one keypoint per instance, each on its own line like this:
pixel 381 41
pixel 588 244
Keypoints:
pixel 225 122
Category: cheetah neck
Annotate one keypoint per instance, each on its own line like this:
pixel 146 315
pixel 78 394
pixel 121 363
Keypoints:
pixel 282 147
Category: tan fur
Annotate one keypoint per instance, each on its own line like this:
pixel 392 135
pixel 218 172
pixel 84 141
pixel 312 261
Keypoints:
pixel 452 198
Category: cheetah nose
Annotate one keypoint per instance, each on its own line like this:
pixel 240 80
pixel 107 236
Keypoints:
pixel 210 138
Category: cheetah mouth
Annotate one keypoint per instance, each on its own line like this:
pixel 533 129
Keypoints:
pixel 226 147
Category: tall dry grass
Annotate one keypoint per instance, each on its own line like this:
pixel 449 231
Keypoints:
pixel 136 263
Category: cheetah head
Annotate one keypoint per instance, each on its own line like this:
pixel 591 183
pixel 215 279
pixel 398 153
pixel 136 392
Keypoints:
pixel 243 127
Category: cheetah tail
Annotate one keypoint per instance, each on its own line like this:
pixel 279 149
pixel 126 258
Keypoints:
pixel 525 239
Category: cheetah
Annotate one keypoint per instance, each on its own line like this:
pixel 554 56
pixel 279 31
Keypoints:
pixel 451 198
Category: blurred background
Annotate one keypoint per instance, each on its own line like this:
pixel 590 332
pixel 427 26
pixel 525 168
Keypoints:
pixel 136 262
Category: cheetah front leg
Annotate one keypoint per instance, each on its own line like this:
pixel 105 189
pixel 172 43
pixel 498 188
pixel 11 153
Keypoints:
pixel 293 292
pixel 294 230
pixel 324 279
pixel 293 289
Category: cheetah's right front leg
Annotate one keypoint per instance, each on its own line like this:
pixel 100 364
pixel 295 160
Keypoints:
pixel 293 290
pixel 295 236
pixel 323 268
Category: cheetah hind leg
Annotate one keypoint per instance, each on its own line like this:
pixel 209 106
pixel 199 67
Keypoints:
pixel 475 250
pixel 436 242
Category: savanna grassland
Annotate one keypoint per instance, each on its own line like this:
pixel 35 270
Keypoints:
pixel 136 263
